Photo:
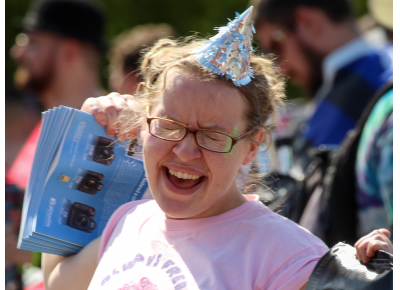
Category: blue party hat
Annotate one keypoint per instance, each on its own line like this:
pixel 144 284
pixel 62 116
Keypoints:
pixel 228 53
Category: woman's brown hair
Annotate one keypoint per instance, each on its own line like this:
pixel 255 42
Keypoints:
pixel 262 95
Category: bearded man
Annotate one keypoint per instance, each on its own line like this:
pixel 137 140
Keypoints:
pixel 320 48
pixel 58 54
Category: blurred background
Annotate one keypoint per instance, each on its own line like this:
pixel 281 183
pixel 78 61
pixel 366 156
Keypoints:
pixel 185 17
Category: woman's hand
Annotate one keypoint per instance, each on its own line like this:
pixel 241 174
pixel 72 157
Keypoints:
pixel 369 244
pixel 106 109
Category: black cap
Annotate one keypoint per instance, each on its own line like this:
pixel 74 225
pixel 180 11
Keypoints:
pixel 80 19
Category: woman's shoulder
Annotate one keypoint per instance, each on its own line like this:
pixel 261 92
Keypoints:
pixel 281 231
pixel 139 209
pixel 282 250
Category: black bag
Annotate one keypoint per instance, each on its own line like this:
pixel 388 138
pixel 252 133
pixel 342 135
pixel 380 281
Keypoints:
pixel 339 269
pixel 288 196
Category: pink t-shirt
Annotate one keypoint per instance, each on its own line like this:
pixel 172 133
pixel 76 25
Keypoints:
pixel 249 247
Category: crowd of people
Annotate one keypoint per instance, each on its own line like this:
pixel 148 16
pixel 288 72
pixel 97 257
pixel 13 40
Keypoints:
pixel 340 149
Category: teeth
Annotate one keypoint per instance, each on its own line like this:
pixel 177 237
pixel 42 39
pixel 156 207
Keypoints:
pixel 183 175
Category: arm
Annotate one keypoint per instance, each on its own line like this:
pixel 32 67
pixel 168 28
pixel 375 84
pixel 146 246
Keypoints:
pixel 73 272
pixel 76 272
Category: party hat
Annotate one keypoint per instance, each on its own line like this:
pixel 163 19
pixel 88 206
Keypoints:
pixel 228 53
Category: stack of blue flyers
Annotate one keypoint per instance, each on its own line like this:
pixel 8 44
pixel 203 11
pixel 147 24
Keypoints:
pixel 79 177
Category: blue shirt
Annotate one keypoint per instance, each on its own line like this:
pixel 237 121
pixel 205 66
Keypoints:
pixel 352 75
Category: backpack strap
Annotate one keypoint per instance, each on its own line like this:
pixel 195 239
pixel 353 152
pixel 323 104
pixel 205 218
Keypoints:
pixel 367 111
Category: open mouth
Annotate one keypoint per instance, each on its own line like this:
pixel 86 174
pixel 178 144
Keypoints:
pixel 183 180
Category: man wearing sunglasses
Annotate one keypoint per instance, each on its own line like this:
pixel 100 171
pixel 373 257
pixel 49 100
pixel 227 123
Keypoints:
pixel 318 46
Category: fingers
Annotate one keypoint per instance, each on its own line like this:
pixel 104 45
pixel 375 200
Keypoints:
pixel 371 234
pixel 362 252
pixel 386 233
pixel 376 245
pixel 368 245
pixel 111 114
pixel 92 106
pixel 105 109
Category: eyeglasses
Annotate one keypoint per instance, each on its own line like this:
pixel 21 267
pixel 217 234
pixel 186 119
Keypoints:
pixel 169 130
pixel 278 37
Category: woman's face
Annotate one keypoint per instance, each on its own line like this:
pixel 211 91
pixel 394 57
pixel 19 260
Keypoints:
pixel 211 188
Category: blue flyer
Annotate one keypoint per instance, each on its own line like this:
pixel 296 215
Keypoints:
pixel 80 176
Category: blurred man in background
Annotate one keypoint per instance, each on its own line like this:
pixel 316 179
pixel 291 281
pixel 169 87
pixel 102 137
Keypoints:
pixel 319 47
pixel 125 55
pixel 59 60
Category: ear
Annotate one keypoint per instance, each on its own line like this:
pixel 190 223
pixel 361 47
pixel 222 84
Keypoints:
pixel 69 51
pixel 254 145
pixel 309 24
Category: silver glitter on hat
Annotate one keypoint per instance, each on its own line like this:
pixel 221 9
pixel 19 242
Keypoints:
pixel 228 53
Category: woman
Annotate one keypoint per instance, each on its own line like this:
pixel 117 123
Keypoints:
pixel 200 232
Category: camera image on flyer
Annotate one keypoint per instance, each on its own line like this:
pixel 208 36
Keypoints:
pixel 89 176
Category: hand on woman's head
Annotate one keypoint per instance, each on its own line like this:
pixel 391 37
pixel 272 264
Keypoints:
pixel 106 109
pixel 369 244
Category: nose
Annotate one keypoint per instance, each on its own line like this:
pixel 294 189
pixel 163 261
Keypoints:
pixel 187 149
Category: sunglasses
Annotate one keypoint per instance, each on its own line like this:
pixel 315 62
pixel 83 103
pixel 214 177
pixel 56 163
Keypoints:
pixel 278 39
